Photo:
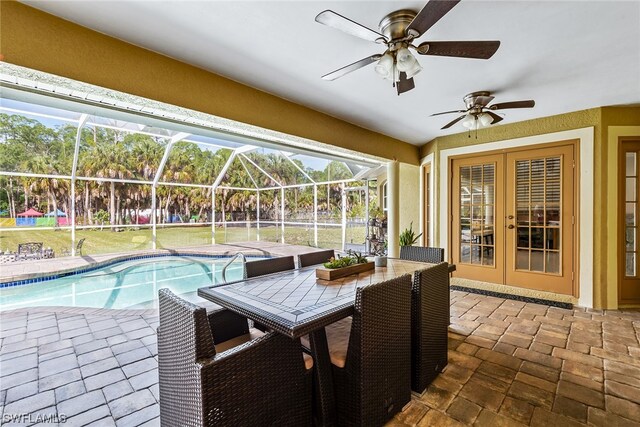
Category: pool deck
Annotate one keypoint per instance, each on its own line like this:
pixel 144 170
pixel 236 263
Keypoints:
pixel 23 270
pixel 511 363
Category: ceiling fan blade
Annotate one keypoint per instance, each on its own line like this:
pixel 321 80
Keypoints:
pixel 448 112
pixel 405 84
pixel 431 13
pixel 462 49
pixel 513 104
pixel 453 122
pixel 335 20
pixel 351 67
pixel 496 118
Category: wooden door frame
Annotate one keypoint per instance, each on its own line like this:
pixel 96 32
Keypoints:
pixel 575 142
pixel 427 218
pixel 609 294
pixel 620 200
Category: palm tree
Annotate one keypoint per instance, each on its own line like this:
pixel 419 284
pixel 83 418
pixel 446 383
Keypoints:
pixel 108 161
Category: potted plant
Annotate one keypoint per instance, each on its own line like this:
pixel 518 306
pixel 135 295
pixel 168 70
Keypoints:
pixel 380 255
pixel 408 237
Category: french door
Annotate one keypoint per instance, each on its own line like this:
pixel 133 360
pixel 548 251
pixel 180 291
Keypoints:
pixel 628 201
pixel 513 218
pixel 478 218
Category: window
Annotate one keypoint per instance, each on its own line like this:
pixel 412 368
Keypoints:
pixel 384 197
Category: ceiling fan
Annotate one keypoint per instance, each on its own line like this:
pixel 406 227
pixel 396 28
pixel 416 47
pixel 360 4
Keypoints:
pixel 398 30
pixel 479 113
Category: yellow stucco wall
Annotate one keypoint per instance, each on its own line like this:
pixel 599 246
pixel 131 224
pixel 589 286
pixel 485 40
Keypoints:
pixel 409 196
pixel 40 41
pixel 601 119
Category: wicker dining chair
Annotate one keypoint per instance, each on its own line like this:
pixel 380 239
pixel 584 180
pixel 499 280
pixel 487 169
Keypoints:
pixel 370 353
pixel 422 254
pixel 429 325
pixel 313 258
pixel 258 379
pixel 268 266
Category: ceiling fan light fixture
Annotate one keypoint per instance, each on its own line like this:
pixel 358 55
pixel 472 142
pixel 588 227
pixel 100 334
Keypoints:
pixel 385 67
pixel 469 121
pixel 407 63
pixel 485 120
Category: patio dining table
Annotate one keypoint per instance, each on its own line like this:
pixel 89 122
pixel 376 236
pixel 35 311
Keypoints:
pixel 295 303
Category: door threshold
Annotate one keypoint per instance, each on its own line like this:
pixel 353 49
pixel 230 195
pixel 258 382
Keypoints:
pixel 466 286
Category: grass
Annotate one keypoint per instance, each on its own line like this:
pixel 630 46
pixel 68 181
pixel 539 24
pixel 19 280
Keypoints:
pixel 106 241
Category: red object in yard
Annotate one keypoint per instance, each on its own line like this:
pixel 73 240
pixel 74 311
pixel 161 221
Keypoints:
pixel 30 213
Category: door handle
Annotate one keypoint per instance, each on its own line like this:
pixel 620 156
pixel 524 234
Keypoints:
pixel 510 217
pixel 511 226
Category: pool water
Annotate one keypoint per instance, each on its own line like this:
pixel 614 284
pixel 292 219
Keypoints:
pixel 129 284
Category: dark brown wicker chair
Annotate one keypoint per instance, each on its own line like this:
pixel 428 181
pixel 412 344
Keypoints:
pixel 313 258
pixel 268 266
pixel 429 324
pixel 262 381
pixel 372 378
pixel 422 254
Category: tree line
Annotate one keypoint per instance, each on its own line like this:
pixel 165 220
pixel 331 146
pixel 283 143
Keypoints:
pixel 29 146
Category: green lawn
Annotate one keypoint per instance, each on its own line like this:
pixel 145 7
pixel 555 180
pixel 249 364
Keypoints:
pixel 106 241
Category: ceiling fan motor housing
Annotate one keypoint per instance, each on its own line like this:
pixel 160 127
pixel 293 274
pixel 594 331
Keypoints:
pixel 394 25
pixel 476 100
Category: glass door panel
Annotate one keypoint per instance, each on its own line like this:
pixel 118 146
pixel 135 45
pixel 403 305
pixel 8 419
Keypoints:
pixel 538 214
pixel 629 289
pixel 478 218
pixel 540 206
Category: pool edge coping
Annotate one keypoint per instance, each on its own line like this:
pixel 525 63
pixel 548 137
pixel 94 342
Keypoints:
pixel 30 278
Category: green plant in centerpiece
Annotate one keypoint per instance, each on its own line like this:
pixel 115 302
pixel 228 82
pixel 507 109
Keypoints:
pixel 339 262
pixel 352 258
pixel 359 258
pixel 408 237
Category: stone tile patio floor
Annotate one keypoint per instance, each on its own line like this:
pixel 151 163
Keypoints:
pixel 510 363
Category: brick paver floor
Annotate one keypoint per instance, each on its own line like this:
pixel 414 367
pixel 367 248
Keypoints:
pixel 510 363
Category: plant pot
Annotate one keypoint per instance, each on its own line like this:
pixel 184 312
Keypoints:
pixel 380 261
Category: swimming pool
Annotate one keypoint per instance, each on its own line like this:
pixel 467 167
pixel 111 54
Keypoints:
pixel 126 284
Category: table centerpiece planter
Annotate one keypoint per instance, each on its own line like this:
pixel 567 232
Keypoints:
pixel 352 263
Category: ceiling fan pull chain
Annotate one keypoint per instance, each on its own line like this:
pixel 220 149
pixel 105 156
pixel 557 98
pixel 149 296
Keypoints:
pixel 476 125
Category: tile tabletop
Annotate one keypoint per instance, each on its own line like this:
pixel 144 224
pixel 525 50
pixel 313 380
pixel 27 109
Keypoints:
pixel 294 302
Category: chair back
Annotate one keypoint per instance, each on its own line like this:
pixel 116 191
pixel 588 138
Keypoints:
pixel 184 337
pixel 268 266
pixel 378 355
pixel 422 254
pixel 429 325
pixel 260 382
pixel 313 258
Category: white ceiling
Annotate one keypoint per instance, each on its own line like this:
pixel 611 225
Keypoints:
pixel 567 55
